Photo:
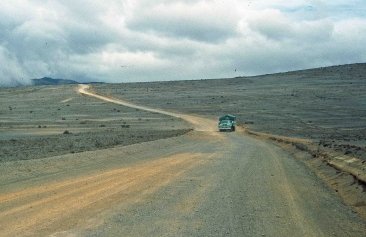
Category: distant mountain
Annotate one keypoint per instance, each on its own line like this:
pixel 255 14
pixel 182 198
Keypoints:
pixel 51 81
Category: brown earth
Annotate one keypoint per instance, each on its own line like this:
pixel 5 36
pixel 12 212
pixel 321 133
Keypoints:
pixel 104 178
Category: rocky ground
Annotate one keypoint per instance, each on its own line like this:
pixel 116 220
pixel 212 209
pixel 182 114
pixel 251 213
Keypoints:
pixel 45 121
pixel 59 180
pixel 326 105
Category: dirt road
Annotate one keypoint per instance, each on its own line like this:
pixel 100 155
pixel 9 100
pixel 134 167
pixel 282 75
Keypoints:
pixel 204 183
pixel 200 124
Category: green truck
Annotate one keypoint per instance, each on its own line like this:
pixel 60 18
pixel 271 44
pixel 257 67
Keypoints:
pixel 227 122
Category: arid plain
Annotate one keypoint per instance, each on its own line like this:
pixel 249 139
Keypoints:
pixel 55 141
pixel 326 105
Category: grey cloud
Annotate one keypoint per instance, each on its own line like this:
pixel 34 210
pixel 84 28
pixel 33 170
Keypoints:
pixel 184 21
pixel 271 29
pixel 182 28
pixel 87 40
pixel 41 44
pixel 274 26
pixel 165 40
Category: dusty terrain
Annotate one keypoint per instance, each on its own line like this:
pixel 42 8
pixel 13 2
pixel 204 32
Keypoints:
pixel 34 121
pixel 111 174
pixel 326 105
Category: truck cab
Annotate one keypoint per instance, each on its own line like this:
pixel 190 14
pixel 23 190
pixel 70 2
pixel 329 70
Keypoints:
pixel 227 123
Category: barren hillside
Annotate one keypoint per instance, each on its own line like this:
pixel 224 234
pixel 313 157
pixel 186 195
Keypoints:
pixel 327 105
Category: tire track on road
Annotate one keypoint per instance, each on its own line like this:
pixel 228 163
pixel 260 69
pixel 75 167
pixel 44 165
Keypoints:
pixel 286 189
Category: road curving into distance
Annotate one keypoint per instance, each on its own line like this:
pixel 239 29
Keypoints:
pixel 200 124
pixel 204 183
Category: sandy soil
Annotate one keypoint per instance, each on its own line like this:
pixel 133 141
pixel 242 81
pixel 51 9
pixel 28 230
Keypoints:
pixel 92 182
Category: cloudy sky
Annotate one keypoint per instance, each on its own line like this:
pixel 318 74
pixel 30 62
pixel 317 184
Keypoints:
pixel 143 40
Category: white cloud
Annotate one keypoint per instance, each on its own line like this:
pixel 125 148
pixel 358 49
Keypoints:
pixel 11 73
pixel 141 40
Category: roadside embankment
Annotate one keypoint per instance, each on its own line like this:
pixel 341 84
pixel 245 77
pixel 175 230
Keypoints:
pixel 344 174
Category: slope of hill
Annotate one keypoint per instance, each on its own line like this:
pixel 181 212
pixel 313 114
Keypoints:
pixel 326 105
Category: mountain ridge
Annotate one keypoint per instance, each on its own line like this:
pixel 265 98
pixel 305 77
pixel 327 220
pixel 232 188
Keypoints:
pixel 50 81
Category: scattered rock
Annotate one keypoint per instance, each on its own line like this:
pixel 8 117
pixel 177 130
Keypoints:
pixel 347 152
